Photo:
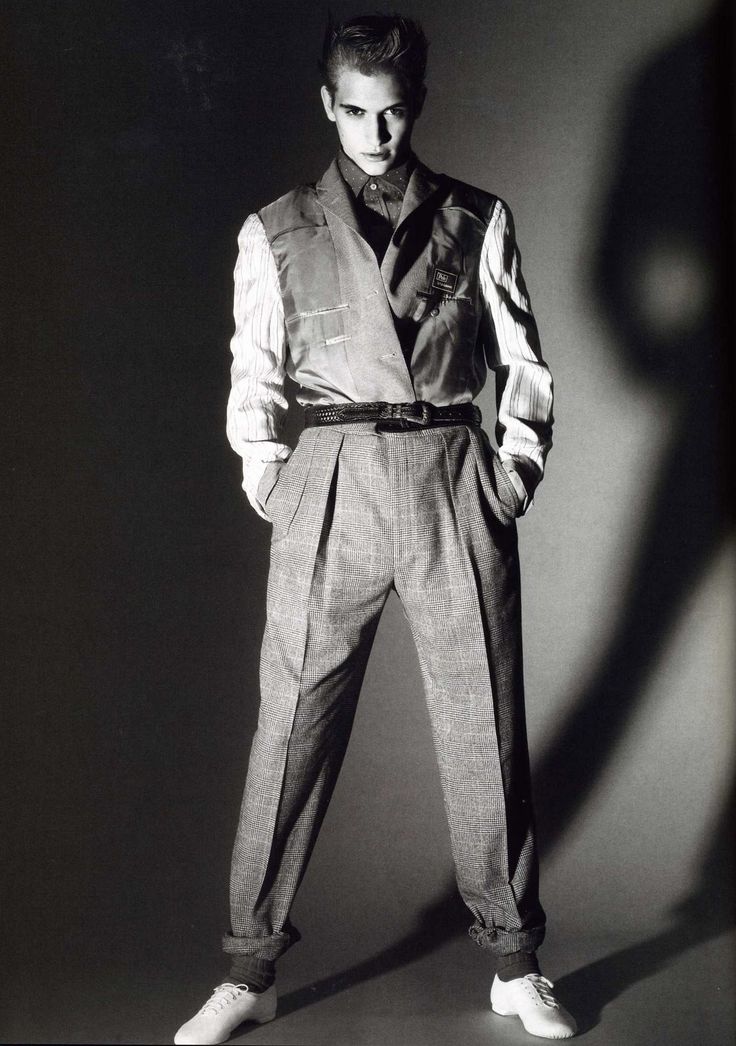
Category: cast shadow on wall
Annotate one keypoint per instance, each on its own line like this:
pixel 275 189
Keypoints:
pixel 659 279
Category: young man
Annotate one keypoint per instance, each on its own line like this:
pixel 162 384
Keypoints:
pixel 385 291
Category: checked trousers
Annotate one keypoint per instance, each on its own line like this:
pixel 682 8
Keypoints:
pixel 431 514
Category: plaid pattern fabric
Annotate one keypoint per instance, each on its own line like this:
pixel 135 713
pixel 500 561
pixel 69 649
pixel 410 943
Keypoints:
pixel 356 513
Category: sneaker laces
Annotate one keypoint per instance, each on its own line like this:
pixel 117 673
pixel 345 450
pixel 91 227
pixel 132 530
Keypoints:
pixel 543 989
pixel 222 996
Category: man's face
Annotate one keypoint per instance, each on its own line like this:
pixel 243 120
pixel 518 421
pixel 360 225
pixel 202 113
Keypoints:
pixel 374 117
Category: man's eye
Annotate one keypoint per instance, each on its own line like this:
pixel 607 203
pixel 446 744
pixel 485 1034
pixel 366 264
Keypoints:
pixel 398 112
pixel 354 112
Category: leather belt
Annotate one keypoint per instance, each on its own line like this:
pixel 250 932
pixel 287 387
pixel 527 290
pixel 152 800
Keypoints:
pixel 390 417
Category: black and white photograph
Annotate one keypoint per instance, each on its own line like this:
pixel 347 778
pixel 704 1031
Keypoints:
pixel 368 580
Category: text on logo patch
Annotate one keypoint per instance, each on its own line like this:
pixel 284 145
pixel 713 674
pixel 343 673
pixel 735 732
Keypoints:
pixel 444 281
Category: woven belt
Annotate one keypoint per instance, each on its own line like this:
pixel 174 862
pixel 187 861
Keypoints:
pixel 393 416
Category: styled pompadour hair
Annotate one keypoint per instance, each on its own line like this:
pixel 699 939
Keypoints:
pixel 376 43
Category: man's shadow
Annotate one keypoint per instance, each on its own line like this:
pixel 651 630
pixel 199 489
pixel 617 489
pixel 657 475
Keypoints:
pixel 706 913
pixel 659 277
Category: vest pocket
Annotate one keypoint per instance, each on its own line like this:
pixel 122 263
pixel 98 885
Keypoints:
pixel 318 328
pixel 434 303
pixel 318 339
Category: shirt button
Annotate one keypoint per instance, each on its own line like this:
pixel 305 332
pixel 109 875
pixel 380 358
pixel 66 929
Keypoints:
pixel 373 186
pixel 434 312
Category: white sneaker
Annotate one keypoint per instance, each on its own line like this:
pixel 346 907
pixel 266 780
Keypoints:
pixel 229 1006
pixel 530 998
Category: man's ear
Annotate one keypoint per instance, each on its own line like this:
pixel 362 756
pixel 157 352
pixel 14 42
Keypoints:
pixel 327 102
pixel 419 100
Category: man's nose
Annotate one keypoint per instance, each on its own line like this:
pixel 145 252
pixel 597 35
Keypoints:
pixel 378 133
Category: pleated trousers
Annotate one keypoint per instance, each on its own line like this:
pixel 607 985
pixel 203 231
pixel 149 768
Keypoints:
pixel 356 513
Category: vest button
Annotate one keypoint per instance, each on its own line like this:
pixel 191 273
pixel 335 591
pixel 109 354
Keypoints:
pixel 434 312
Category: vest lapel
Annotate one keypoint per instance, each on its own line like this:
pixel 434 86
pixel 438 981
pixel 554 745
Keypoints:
pixel 373 350
pixel 334 195
pixel 423 184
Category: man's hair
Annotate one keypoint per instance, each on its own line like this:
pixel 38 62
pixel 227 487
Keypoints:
pixel 376 44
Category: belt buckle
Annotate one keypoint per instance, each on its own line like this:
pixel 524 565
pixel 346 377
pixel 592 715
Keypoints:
pixel 425 417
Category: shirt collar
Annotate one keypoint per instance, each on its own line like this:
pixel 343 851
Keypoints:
pixel 357 179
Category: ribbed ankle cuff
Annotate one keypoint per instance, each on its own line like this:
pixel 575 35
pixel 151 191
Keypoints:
pixel 258 974
pixel 517 964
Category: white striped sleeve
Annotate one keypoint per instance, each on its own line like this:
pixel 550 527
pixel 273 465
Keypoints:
pixel 256 405
pixel 524 389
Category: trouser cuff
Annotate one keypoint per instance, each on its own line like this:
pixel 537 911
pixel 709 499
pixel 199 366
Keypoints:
pixel 505 942
pixel 267 949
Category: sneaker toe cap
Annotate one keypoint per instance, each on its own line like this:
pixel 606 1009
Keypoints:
pixel 558 1024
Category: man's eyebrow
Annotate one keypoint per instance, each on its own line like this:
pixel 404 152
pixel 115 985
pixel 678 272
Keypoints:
pixel 394 105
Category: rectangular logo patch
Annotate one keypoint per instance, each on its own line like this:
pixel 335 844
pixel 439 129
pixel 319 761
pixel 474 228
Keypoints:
pixel 444 281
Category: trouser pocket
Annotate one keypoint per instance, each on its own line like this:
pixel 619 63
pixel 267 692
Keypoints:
pixel 496 486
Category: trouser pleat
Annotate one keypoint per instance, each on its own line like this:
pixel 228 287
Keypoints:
pixel 315 649
pixel 463 606
pixel 355 515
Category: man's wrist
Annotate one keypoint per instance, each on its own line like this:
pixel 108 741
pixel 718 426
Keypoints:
pixel 259 478
pixel 524 478
pixel 518 484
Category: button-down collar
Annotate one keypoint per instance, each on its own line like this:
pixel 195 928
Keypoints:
pixel 378 198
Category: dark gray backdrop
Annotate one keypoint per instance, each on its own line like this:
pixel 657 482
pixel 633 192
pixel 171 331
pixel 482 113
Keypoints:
pixel 134 574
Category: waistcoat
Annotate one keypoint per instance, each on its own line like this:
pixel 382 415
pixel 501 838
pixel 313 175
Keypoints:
pixel 408 328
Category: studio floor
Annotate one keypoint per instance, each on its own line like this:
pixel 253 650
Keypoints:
pixel 624 993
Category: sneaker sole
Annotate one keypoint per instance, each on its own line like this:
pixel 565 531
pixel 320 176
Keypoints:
pixel 242 1024
pixel 513 1013
pixel 505 1013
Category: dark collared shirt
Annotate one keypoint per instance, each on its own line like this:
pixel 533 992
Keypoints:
pixel 378 198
